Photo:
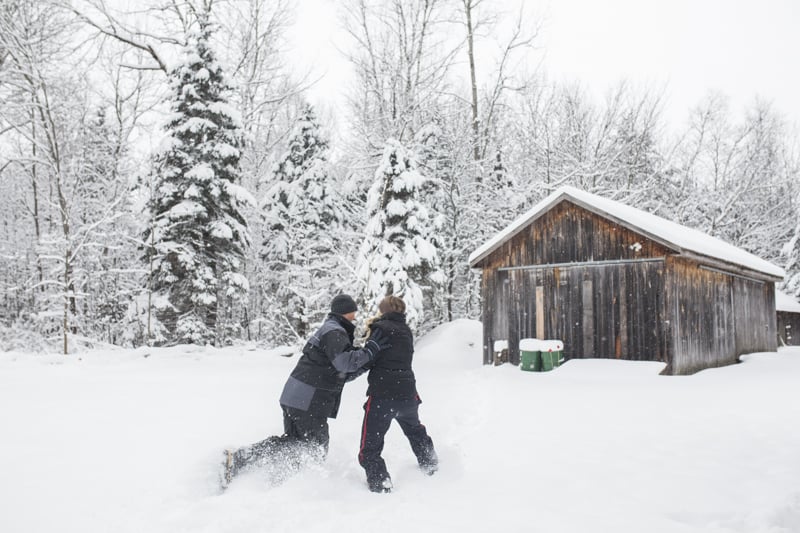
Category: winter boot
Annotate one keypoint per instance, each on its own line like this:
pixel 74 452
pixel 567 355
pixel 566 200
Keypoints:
pixel 430 463
pixel 429 469
pixel 381 485
pixel 230 467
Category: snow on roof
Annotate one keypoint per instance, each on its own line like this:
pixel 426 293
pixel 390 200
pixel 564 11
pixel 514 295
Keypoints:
pixel 786 302
pixel 675 236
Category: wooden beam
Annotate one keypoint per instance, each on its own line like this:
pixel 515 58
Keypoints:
pixel 588 319
pixel 539 312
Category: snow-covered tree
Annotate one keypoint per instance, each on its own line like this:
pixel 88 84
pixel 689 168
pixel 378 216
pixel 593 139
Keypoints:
pixel 302 213
pixel 102 222
pixel 67 197
pixel 791 283
pixel 743 177
pixel 397 256
pixel 443 164
pixel 199 235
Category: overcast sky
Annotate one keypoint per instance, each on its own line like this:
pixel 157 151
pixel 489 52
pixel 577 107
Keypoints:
pixel 742 48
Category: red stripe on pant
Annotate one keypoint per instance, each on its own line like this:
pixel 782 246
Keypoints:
pixel 364 430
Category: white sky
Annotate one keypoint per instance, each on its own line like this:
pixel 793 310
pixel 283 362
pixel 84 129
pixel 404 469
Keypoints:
pixel 742 48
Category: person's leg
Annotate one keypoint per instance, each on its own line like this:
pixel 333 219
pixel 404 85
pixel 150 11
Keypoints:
pixel 260 450
pixel 421 443
pixel 305 439
pixel 377 419
pixel 259 453
pixel 265 451
pixel 308 430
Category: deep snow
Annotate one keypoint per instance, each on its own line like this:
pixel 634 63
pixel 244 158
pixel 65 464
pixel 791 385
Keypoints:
pixel 127 441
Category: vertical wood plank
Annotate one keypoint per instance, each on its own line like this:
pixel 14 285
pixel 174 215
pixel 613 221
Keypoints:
pixel 623 350
pixel 587 296
pixel 539 312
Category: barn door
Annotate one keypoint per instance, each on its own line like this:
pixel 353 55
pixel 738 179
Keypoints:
pixel 621 311
pixel 607 311
pixel 611 310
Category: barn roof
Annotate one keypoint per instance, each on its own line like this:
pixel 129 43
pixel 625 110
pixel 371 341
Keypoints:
pixel 681 239
pixel 786 302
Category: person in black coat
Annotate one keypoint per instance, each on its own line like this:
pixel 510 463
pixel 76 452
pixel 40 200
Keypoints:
pixel 311 394
pixel 392 395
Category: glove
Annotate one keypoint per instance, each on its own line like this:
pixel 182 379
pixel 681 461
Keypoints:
pixel 377 341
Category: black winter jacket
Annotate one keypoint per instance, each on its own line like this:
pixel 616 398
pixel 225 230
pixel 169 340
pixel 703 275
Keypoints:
pixel 391 375
pixel 315 385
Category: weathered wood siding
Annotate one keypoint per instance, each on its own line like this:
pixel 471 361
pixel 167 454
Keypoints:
pixel 570 234
pixel 607 291
pixel 495 308
pixel 715 316
pixel 606 311
pixel 754 316
pixel 788 325
pixel 700 304
pixel 612 310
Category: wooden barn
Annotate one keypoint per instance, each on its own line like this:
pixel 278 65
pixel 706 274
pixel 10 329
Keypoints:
pixel 613 281
pixel 788 318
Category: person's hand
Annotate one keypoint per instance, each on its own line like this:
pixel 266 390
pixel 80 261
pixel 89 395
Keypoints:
pixel 377 341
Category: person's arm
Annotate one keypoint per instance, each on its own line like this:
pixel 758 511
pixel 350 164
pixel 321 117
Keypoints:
pixel 345 358
pixel 354 375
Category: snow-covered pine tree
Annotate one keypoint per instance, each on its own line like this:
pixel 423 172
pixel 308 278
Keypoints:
pixel 199 233
pixel 791 250
pixel 302 212
pixel 438 160
pixel 397 256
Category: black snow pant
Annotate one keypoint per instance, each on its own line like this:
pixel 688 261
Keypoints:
pixel 378 416
pixel 305 439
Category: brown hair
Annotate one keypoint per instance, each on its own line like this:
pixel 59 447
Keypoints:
pixel 392 303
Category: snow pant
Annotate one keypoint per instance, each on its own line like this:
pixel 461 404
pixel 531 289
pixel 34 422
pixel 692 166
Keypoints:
pixel 378 416
pixel 305 439
pixel 305 426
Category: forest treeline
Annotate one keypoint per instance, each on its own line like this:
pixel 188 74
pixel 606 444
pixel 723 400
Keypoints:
pixel 164 179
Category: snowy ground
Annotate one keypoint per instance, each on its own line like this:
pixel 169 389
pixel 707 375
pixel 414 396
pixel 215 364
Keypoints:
pixel 118 442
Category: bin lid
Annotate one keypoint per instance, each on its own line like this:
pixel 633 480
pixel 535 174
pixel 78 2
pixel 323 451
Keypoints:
pixel 552 345
pixel 539 345
pixel 530 345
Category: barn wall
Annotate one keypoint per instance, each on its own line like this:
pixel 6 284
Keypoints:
pixel 603 311
pixel 754 316
pixel 494 292
pixel 788 325
pixel 716 316
pixel 570 234
pixel 701 309
pixel 609 292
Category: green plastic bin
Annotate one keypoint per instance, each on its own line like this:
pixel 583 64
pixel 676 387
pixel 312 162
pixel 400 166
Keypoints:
pixel 530 358
pixel 551 354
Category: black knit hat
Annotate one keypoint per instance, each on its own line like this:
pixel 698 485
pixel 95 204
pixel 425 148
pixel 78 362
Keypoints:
pixel 343 304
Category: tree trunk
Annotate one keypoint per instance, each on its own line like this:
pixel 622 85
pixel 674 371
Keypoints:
pixel 473 80
pixel 36 224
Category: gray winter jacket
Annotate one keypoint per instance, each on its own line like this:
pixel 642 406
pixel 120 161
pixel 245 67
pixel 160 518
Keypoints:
pixel 315 385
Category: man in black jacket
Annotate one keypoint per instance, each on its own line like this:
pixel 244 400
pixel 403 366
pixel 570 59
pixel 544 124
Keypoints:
pixel 392 395
pixel 311 395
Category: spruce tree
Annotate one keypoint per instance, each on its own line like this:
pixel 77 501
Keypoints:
pixel 397 255
pixel 198 233
pixel 436 159
pixel 302 212
pixel 791 282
